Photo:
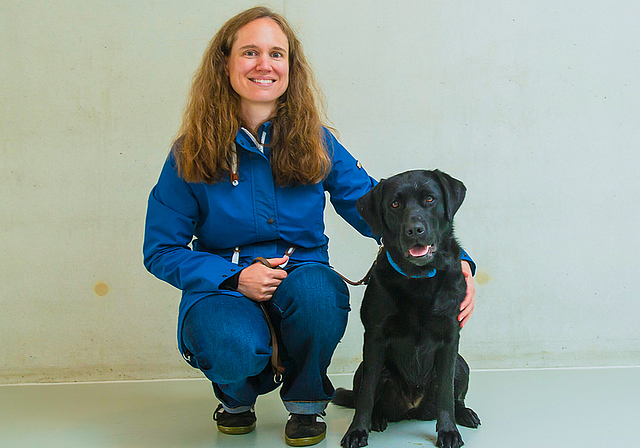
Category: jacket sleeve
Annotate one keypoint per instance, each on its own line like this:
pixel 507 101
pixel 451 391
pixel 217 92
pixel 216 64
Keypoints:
pixel 172 215
pixel 346 183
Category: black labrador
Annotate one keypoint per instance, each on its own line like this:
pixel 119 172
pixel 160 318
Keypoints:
pixel 411 368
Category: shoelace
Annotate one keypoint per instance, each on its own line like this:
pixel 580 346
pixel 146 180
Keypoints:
pixel 220 409
pixel 307 419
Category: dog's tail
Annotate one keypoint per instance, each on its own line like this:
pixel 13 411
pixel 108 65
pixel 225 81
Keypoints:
pixel 344 397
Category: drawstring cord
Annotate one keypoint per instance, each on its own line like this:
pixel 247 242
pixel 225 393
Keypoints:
pixel 234 166
pixel 234 155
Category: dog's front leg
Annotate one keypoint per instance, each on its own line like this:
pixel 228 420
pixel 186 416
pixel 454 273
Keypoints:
pixel 448 434
pixel 373 359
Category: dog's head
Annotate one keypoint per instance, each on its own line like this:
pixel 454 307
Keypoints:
pixel 413 212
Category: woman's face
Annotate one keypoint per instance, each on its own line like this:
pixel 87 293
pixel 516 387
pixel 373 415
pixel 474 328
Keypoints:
pixel 258 66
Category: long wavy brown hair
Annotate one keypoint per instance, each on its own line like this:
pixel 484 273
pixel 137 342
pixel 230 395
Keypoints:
pixel 204 146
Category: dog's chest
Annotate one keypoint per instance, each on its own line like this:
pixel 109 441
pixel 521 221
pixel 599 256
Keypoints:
pixel 417 317
pixel 414 363
pixel 414 331
pixel 417 332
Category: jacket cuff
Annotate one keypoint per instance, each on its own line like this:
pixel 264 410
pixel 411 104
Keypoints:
pixel 465 256
pixel 231 284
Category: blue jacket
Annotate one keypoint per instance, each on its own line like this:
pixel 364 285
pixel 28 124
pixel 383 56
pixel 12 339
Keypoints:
pixel 256 217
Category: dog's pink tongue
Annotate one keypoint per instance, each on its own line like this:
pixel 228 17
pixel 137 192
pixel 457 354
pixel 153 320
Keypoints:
pixel 419 251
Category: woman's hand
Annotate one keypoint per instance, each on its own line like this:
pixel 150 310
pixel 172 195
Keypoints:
pixel 258 282
pixel 469 302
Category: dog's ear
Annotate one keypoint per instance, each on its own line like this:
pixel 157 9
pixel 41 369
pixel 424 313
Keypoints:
pixel 454 193
pixel 370 208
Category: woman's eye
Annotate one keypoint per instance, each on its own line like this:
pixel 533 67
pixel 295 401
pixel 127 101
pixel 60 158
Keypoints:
pixel 395 204
pixel 277 55
pixel 250 53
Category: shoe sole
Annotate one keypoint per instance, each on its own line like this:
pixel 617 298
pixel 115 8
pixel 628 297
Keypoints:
pixel 305 441
pixel 236 430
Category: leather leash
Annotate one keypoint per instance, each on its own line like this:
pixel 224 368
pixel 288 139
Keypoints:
pixel 276 364
pixel 367 277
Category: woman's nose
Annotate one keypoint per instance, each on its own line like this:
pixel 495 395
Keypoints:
pixel 263 64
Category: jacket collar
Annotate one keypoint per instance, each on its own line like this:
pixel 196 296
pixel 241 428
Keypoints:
pixel 248 141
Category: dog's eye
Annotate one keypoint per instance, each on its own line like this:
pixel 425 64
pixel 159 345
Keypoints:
pixel 429 199
pixel 395 204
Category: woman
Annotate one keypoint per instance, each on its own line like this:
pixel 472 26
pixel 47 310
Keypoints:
pixel 247 177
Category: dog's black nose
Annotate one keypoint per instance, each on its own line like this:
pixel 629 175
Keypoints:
pixel 415 228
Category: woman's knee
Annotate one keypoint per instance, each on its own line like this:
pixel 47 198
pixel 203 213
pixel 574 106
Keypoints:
pixel 228 348
pixel 313 294
pixel 228 359
pixel 314 285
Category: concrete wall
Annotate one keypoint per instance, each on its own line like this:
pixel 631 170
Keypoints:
pixel 534 105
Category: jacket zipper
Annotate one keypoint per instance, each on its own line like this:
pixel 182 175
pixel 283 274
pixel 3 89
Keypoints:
pixel 263 137
pixel 234 176
pixel 234 164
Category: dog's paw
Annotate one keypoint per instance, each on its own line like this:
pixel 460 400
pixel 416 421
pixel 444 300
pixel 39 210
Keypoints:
pixel 378 424
pixel 467 417
pixel 355 438
pixel 449 439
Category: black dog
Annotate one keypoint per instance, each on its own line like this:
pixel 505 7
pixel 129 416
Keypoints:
pixel 411 368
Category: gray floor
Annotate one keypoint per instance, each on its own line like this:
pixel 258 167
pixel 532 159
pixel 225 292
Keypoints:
pixel 526 408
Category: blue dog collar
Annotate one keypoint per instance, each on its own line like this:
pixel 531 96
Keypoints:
pixel 431 273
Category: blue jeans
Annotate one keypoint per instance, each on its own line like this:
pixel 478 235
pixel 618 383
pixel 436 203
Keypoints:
pixel 229 339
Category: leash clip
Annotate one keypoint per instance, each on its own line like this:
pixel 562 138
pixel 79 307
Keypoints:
pixel 288 253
